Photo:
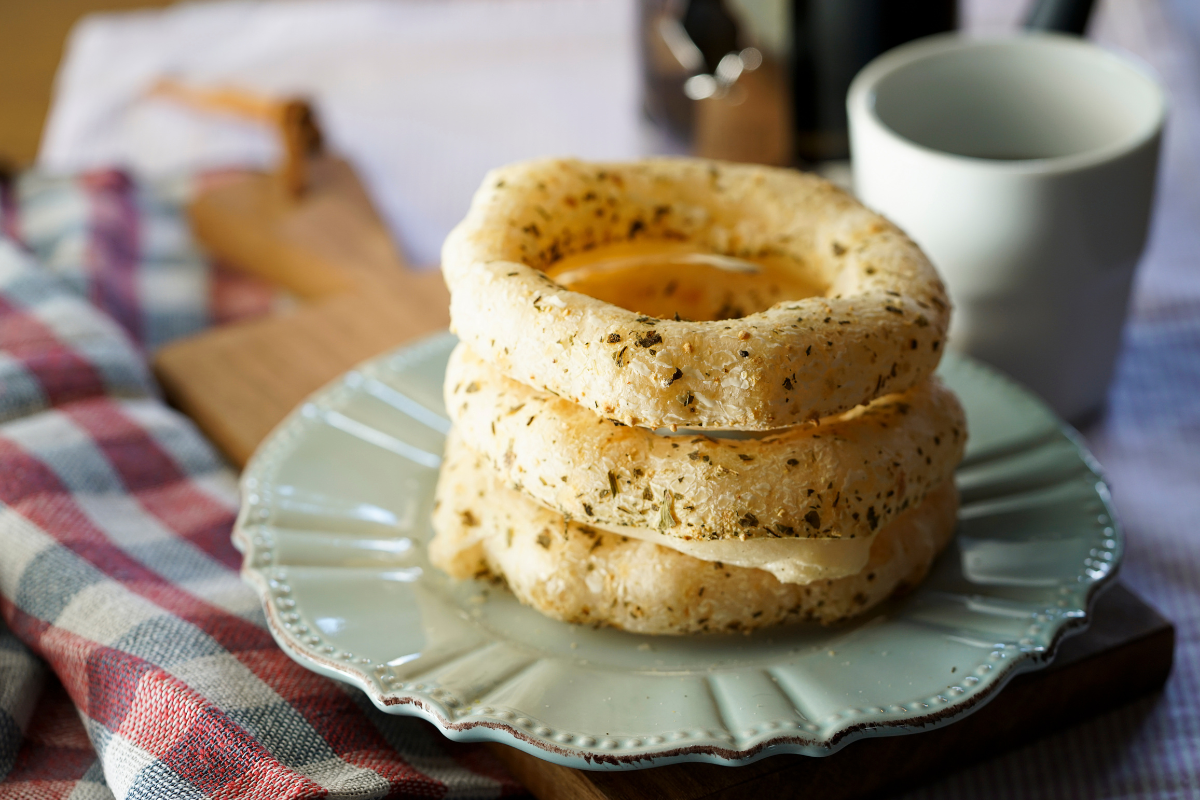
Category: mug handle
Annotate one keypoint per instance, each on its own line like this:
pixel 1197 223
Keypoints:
pixel 1063 16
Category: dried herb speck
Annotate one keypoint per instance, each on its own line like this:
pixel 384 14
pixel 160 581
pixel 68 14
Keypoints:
pixel 648 339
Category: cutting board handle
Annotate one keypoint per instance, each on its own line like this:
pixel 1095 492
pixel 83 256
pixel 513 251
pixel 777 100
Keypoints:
pixel 292 119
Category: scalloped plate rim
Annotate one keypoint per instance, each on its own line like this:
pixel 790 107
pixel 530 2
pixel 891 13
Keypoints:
pixel 422 704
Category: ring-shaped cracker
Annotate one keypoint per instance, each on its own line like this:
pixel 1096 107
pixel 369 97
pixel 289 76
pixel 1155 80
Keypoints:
pixel 573 572
pixel 878 329
pixel 847 477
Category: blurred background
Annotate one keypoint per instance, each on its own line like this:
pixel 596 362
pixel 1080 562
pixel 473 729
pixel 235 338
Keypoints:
pixel 422 97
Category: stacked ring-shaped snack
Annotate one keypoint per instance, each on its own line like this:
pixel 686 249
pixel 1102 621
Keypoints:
pixel 789 456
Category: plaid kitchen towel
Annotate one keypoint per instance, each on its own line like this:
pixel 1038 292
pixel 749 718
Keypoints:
pixel 126 249
pixel 137 663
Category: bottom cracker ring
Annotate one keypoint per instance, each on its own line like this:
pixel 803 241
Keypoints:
pixel 575 573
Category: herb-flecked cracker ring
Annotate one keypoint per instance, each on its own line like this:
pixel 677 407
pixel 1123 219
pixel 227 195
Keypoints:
pixel 877 329
pixel 845 478
pixel 574 572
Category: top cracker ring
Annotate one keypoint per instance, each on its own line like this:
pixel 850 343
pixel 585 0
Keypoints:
pixel 877 328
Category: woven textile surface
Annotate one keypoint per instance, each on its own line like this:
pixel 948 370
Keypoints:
pixel 135 662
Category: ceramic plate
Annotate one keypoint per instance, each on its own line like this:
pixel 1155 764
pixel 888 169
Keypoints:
pixel 335 518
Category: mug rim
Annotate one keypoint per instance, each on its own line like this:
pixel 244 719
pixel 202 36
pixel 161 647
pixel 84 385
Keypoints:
pixel 860 99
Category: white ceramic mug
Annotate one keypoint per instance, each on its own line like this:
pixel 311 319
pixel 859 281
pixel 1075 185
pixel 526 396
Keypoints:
pixel 1025 168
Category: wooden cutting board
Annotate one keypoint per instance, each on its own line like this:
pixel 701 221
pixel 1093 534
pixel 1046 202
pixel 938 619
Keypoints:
pixel 238 381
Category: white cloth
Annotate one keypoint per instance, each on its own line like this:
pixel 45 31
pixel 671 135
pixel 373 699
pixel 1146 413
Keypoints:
pixel 423 96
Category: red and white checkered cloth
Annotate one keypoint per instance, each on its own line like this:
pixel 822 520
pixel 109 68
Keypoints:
pixel 136 664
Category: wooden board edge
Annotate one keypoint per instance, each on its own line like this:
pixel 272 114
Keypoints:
pixel 544 780
pixel 1094 676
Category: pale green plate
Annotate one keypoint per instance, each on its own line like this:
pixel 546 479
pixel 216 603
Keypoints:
pixel 335 517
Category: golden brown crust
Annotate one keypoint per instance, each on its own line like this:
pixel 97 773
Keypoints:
pixel 879 329
pixel 844 478
pixel 576 573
